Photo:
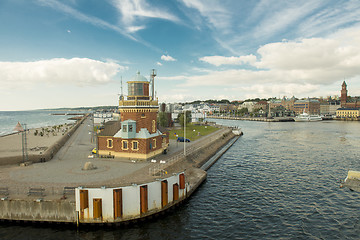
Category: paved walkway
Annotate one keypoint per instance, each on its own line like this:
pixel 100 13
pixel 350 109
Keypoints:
pixel 65 169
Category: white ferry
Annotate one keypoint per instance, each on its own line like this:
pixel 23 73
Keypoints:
pixel 305 117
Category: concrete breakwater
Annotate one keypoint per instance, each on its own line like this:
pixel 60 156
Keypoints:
pixel 118 202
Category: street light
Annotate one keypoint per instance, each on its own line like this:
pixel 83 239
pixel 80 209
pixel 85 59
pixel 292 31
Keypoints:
pixel 184 132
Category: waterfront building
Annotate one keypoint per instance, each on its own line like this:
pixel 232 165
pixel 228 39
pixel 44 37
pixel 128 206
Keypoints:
pixel 261 105
pixel 275 103
pixel 248 105
pixel 139 136
pixel 101 118
pixel 310 106
pixel 346 101
pixel 329 108
pixel 348 113
pixel 286 103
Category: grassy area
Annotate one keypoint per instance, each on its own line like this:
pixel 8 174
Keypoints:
pixel 190 133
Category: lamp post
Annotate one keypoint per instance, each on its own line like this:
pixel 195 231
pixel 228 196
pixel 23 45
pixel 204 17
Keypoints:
pixel 184 132
pixel 24 145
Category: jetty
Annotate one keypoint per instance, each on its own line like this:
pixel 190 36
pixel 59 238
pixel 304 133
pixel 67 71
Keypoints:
pixel 76 187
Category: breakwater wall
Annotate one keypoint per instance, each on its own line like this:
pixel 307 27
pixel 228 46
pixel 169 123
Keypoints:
pixel 37 210
pixel 48 154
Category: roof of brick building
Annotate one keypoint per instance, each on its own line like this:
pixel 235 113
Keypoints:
pixel 110 128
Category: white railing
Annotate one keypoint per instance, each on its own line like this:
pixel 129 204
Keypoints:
pixel 158 166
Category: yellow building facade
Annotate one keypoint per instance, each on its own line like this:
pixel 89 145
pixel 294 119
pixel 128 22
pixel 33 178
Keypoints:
pixel 348 113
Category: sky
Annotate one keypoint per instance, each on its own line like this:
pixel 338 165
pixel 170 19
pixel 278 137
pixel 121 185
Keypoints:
pixel 73 53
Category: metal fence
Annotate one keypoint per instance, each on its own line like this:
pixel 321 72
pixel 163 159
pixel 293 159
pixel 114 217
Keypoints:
pixel 158 166
pixel 36 191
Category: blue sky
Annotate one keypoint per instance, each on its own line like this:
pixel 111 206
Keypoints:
pixel 74 53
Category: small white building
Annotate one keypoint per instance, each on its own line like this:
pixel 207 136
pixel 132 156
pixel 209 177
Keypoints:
pixel 102 117
pixel 129 202
pixel 248 105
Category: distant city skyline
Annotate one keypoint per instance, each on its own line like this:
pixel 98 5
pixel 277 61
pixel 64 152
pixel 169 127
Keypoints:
pixel 74 53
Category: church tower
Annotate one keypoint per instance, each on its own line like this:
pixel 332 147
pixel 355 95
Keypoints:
pixel 343 97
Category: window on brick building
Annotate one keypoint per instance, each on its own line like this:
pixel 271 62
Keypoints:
pixel 153 126
pixel 130 128
pixel 124 128
pixel 154 141
pixel 135 145
pixel 125 145
pixel 109 143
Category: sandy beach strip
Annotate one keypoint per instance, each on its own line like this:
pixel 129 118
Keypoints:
pixel 11 145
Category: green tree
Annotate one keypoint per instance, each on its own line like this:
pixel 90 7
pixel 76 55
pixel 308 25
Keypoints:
pixel 181 118
pixel 243 111
pixel 163 119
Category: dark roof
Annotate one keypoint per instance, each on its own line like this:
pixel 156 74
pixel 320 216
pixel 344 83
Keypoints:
pixel 348 109
pixel 162 129
pixel 262 102
pixel 110 128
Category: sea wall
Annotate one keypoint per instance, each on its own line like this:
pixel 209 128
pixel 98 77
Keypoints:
pixel 32 210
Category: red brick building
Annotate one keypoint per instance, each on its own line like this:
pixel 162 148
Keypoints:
pixel 345 102
pixel 138 136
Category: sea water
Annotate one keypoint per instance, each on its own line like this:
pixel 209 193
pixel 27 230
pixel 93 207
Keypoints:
pixel 278 181
pixel 32 119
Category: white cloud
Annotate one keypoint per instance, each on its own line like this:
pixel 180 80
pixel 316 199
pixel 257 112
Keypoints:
pixel 333 17
pixel 133 29
pixel 75 71
pixel 221 60
pixel 279 16
pixel 83 17
pixel 303 67
pixel 173 78
pixel 159 63
pixel 167 58
pixel 278 90
pixel 176 97
pixel 215 14
pixel 314 60
pixel 133 11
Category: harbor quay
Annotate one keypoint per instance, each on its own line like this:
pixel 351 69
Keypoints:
pixel 259 119
pixel 112 190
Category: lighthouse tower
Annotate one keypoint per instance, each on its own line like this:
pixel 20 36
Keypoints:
pixel 139 136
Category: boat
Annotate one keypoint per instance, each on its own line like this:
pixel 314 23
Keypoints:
pixel 305 117
pixel 352 181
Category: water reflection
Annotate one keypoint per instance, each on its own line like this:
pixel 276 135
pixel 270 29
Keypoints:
pixel 279 180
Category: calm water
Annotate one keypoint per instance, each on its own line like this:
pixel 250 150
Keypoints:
pixel 278 181
pixel 32 119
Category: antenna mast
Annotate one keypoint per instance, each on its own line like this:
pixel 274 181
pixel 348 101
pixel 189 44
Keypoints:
pixel 152 77
pixel 121 96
